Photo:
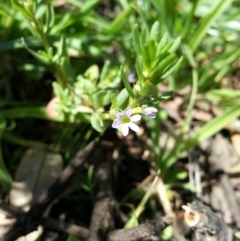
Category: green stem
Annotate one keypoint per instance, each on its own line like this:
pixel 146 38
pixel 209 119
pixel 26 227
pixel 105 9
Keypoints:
pixel 60 73
pixel 187 121
pixel 5 177
pixel 40 31
pixel 40 113
pixel 141 205
pixel 168 158
pixel 208 130
pixel 28 112
pixel 22 142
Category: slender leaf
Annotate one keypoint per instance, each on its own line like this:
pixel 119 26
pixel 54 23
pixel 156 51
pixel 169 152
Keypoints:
pixel 207 21
pixel 126 84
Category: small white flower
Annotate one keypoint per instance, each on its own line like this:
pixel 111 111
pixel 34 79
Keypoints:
pixel 150 112
pixel 125 121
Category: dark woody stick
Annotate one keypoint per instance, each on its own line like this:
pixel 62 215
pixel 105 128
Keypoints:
pixel 142 231
pixel 202 220
pixel 30 220
pixel 105 209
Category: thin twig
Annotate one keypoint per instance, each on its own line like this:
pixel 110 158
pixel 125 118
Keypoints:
pixel 61 183
pixel 142 231
pixel 30 220
pixel 52 224
pixel 105 206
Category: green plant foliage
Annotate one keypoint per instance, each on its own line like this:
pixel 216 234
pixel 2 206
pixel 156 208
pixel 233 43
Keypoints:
pixel 100 65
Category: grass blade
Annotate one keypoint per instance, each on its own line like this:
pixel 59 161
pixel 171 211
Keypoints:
pixel 207 21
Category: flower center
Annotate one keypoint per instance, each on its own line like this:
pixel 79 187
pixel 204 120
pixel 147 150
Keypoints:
pixel 125 119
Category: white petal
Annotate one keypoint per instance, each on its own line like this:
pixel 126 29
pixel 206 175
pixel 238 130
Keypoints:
pixel 135 118
pixel 116 124
pixel 151 115
pixel 150 109
pixel 125 129
pixel 128 112
pixel 119 115
pixel 134 127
